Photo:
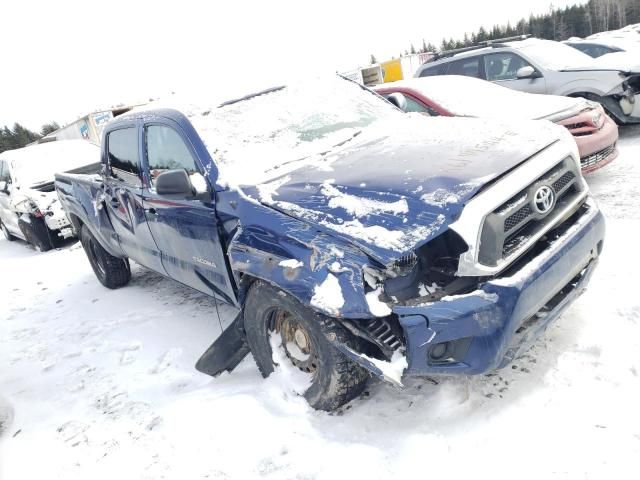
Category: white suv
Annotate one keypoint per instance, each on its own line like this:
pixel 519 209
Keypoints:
pixel 29 206
pixel 544 66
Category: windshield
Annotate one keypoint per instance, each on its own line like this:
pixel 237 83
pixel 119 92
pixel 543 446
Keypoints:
pixel 251 139
pixel 556 56
pixel 39 163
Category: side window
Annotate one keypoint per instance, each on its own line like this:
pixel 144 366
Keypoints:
pixel 503 66
pixel 414 106
pixel 123 155
pixel 435 70
pixel 469 67
pixel 4 172
pixel 167 151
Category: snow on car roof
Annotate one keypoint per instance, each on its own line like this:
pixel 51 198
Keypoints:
pixel 554 55
pixel 39 163
pixel 472 97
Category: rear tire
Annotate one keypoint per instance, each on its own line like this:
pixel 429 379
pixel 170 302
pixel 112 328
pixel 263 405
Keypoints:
pixel 335 379
pixel 5 231
pixel 113 272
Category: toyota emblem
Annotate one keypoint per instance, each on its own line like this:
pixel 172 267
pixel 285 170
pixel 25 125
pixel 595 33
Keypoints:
pixel 544 199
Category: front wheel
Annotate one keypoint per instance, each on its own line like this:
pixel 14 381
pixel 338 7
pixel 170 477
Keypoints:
pixel 275 320
pixel 5 231
pixel 113 272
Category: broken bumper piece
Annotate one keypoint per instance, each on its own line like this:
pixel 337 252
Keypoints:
pixel 486 329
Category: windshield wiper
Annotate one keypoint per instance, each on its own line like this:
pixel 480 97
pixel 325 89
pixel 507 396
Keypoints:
pixel 321 154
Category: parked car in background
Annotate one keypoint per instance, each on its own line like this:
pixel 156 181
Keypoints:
pixel 543 66
pixel 29 206
pixel 454 95
pixel 629 32
pixel 598 47
pixel 354 239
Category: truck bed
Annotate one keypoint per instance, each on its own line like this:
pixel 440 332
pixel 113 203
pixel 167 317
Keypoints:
pixel 82 197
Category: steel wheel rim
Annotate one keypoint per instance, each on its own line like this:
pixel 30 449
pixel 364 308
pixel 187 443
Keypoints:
pixel 296 341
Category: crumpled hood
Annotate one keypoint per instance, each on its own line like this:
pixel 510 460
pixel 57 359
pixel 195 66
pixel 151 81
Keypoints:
pixel 392 192
pixel 627 62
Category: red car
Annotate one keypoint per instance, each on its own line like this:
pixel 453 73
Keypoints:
pixel 452 95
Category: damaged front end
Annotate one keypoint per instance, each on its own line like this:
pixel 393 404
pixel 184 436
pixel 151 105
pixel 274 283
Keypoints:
pixel 624 103
pixel 41 202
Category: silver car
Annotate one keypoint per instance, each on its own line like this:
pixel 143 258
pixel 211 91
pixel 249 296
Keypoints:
pixel 543 66
pixel 29 206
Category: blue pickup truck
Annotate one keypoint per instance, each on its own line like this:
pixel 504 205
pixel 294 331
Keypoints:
pixel 356 240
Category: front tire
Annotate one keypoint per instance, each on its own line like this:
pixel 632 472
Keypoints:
pixel 112 272
pixel 5 231
pixel 335 380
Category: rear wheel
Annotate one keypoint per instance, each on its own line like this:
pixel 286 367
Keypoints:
pixel 113 272
pixel 280 329
pixel 5 231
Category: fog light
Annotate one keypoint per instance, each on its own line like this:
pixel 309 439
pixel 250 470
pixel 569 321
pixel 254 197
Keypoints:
pixel 448 353
pixel 439 351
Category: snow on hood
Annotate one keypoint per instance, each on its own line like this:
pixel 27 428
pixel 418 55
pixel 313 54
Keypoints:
pixel 620 61
pixel 391 192
pixel 472 97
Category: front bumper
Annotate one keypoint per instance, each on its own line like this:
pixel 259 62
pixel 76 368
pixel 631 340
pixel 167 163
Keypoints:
pixel 493 325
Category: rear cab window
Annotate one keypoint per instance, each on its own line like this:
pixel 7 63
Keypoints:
pixel 123 157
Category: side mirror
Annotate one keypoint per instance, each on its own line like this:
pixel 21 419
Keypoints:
pixel 398 99
pixel 174 182
pixel 527 72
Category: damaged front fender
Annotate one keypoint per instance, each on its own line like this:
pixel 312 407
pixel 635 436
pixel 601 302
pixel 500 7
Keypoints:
pixel 312 266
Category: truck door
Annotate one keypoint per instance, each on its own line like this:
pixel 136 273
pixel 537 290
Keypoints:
pixel 123 197
pixel 185 228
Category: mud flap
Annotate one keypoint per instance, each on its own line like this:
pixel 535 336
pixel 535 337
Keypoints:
pixel 226 352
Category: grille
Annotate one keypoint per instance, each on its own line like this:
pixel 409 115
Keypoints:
pixel 595 158
pixel 526 212
pixel 513 223
pixel 517 218
pixel 562 182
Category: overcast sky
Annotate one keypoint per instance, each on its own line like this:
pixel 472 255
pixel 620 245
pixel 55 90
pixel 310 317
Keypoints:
pixel 62 59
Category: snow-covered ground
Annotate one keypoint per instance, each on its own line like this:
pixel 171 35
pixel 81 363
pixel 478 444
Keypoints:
pixel 100 384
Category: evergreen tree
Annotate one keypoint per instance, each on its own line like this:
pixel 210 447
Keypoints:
pixel 580 20
pixel 17 137
pixel 48 128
